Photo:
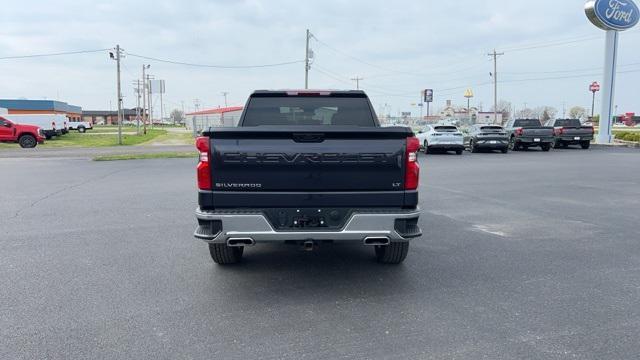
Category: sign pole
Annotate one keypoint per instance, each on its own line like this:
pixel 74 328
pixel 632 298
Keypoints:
pixel 608 86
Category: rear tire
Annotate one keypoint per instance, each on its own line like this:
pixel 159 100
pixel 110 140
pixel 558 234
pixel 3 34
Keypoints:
pixel 425 147
pixel 473 147
pixel 224 255
pixel 545 147
pixel 394 253
pixel 81 129
pixel 505 150
pixel 585 144
pixel 27 141
pixel 557 144
pixel 459 152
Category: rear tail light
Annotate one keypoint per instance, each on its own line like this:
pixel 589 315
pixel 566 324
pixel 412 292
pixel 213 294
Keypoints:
pixel 593 130
pixel 412 168
pixel 519 131
pixel 204 169
pixel 559 131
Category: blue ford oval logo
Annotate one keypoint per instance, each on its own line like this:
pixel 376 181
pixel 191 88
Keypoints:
pixel 613 14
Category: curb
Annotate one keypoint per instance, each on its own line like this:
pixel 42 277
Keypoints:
pixel 618 144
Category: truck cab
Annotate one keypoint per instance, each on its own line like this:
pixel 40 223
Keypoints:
pixel 27 136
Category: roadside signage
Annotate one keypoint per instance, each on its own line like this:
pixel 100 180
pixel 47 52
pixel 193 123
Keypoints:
pixel 613 16
pixel 157 86
pixel 594 87
pixel 428 95
pixel 618 15
pixel 468 93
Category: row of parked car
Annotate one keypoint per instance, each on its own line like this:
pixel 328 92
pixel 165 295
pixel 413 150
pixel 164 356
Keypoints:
pixel 518 134
pixel 30 130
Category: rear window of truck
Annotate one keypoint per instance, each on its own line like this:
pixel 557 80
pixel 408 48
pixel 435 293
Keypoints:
pixel 309 110
pixel 568 123
pixel 527 123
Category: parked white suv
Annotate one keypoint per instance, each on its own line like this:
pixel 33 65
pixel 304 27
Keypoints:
pixel 441 137
pixel 81 126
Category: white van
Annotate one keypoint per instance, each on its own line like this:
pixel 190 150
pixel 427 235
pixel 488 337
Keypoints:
pixel 51 124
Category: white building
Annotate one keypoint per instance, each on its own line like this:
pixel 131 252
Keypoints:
pixel 488 118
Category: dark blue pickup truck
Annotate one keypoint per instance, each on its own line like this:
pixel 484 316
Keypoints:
pixel 571 132
pixel 308 167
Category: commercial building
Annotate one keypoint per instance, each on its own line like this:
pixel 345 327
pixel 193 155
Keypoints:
pixel 228 116
pixel 33 107
pixel 108 117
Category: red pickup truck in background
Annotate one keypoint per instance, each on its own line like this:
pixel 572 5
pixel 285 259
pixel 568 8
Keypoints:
pixel 28 136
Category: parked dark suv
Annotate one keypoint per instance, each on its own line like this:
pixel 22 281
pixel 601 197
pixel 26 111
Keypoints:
pixel 487 137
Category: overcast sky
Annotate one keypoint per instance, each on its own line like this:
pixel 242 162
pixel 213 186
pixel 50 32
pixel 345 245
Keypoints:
pixel 398 47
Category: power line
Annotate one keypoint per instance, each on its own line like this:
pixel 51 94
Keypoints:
pixel 214 66
pixel 565 71
pixel 566 77
pixel 53 54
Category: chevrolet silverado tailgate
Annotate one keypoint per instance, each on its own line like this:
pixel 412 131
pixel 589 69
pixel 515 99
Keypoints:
pixel 308 158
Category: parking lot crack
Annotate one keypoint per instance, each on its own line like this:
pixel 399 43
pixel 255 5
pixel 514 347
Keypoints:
pixel 66 188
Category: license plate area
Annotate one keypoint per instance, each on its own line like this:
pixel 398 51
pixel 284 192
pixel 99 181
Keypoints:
pixel 308 219
pixel 576 138
pixel 537 140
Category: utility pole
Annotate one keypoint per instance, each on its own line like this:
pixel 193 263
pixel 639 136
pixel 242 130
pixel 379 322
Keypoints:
pixel 145 113
pixel 357 80
pixel 196 104
pixel 183 117
pixel 116 57
pixel 150 95
pixel 495 84
pixel 225 93
pixel 564 110
pixel 138 106
pixel 306 62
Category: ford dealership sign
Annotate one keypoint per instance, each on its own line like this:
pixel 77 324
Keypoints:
pixel 615 15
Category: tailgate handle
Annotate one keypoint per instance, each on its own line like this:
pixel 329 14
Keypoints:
pixel 308 138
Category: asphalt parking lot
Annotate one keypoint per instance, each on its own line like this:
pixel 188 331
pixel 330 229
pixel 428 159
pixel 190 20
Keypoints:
pixel 527 255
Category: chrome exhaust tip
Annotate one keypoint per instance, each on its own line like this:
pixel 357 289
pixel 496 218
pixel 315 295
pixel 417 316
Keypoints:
pixel 377 241
pixel 239 242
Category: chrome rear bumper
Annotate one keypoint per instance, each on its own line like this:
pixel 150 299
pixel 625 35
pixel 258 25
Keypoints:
pixel 220 227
